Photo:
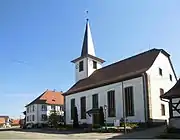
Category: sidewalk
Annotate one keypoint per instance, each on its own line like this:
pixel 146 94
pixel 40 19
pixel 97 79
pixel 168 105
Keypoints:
pixel 144 134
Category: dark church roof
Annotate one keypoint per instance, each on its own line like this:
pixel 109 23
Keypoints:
pixel 124 69
pixel 174 92
pixel 84 51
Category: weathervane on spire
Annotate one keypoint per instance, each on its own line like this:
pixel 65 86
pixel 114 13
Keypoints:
pixel 87 15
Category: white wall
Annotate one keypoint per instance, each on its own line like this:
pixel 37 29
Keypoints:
pixel 38 113
pixel 87 70
pixel 137 84
pixel 157 82
pixel 90 66
pixel 82 74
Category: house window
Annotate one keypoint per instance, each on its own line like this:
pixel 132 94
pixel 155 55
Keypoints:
pixel 27 118
pixel 27 109
pixel 33 108
pixel 94 65
pixel 72 108
pixel 53 107
pixel 80 66
pixel 83 107
pixel 32 117
pixel 129 102
pixel 111 103
pixel 170 77
pixel 161 91
pixel 160 71
pixel 95 101
pixel 43 117
pixel 162 109
pixel 44 108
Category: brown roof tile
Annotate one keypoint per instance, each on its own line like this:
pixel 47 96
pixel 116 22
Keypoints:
pixel 49 97
pixel 118 71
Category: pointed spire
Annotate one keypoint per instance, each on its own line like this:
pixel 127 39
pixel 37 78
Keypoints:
pixel 88 46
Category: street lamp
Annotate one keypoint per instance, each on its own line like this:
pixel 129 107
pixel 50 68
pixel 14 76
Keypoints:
pixel 105 108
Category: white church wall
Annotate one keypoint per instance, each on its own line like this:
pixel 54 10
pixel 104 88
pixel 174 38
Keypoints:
pixel 157 81
pixel 90 66
pixel 81 74
pixel 137 84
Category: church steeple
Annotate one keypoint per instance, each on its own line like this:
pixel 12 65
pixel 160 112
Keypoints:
pixel 87 63
pixel 88 46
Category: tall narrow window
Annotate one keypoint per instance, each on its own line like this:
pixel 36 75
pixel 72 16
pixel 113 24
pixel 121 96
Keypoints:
pixel 32 117
pixel 162 109
pixel 80 66
pixel 53 107
pixel 43 117
pixel 160 71
pixel 33 108
pixel 72 108
pixel 83 107
pixel 94 64
pixel 161 91
pixel 111 103
pixel 27 109
pixel 95 101
pixel 129 101
pixel 44 107
pixel 27 118
pixel 170 77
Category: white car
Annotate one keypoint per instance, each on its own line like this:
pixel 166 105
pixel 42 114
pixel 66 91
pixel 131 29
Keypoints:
pixel 29 126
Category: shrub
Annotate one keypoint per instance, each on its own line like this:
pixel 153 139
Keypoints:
pixel 101 116
pixel 96 126
pixel 75 119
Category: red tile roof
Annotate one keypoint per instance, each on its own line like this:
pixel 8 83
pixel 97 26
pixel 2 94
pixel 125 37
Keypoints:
pixel 49 97
pixel 15 122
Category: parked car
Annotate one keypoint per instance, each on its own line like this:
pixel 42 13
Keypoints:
pixel 29 126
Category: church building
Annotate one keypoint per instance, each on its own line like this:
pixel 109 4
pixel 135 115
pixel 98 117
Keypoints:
pixel 129 87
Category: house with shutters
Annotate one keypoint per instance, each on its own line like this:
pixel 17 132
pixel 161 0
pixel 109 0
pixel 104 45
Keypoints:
pixel 129 87
pixel 38 111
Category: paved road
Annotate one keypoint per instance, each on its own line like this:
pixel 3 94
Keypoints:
pixel 41 134
pixel 145 134
pixel 14 134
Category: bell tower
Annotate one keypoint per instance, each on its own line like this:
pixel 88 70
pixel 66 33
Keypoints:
pixel 87 63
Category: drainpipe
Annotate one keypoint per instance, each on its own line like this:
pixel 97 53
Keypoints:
pixel 145 96
pixel 124 108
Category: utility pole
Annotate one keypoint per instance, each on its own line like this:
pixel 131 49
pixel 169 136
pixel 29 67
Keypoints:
pixel 124 107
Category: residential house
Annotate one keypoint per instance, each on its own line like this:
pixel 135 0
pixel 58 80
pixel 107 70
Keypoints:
pixel 37 111
pixel 173 97
pixel 128 88
pixel 15 122
pixel 4 121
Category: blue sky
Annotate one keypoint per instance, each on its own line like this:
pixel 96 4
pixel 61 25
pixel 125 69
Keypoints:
pixel 39 38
